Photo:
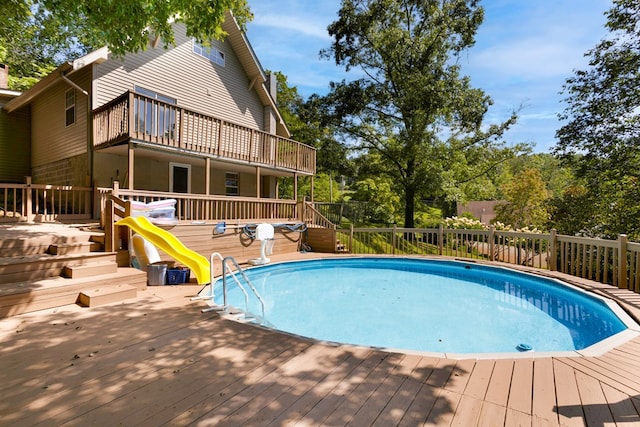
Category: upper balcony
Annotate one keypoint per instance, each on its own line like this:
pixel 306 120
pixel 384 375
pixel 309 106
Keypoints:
pixel 138 117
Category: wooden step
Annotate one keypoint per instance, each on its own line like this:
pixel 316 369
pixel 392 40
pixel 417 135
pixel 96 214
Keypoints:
pixel 106 295
pixel 97 238
pixel 32 240
pixel 23 297
pixel 36 267
pixel 77 271
pixel 73 248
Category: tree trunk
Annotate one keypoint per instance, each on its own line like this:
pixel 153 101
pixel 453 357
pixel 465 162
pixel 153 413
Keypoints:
pixel 409 206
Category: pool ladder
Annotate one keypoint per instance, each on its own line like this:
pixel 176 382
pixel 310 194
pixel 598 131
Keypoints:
pixel 226 273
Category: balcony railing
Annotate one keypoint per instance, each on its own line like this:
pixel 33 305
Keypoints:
pixel 139 117
pixel 201 207
pixel 44 203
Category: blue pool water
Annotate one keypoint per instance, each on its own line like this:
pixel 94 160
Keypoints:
pixel 425 305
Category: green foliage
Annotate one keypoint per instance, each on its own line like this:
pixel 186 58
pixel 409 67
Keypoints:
pixel 383 204
pixel 427 216
pixel 325 189
pixel 412 107
pixel 600 136
pixel 525 201
pixel 555 175
pixel 306 124
pixel 572 211
pixel 38 35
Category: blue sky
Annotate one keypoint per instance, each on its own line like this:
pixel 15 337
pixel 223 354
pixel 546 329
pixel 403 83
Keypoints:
pixel 524 52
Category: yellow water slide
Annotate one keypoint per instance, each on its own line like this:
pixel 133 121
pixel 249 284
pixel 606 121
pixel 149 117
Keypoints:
pixel 170 244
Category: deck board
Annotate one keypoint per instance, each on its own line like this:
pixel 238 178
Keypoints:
pixel 544 392
pixel 491 415
pixel 479 380
pixel 305 403
pixel 420 407
pixel 568 404
pixel 594 403
pixel 156 360
pixel 500 383
pixel 521 392
pixel 344 413
pixel 622 407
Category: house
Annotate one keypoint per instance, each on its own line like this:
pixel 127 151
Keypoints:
pixel 14 135
pixel 193 123
pixel 484 210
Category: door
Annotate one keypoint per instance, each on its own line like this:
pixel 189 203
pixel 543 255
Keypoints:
pixel 179 178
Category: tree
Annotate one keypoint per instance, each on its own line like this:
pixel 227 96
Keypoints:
pixel 381 201
pixel 525 201
pixel 36 35
pixel 411 104
pixel 305 122
pixel 601 136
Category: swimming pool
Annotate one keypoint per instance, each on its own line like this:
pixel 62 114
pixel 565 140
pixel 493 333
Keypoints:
pixel 426 305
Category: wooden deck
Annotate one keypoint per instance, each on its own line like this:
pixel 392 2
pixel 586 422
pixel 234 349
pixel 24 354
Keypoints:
pixel 156 360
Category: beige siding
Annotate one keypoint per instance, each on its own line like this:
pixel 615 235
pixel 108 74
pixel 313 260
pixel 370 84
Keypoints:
pixel 108 168
pixel 51 139
pixel 246 182
pixel 194 81
pixel 14 145
pixel 152 175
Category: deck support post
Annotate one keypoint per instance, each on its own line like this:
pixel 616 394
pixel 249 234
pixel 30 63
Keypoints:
pixel 130 166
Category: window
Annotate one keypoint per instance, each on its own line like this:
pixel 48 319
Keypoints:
pixel 211 53
pixel 231 184
pixel 70 107
pixel 153 116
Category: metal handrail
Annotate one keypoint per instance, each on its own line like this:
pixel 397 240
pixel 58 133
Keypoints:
pixel 226 271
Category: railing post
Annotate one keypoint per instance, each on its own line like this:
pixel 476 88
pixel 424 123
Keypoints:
pixel 28 202
pixel 441 239
pixel 492 243
pixel 131 119
pixel 116 189
pixel 220 136
pixel 350 238
pixel 622 261
pixel 251 145
pixel 109 243
pixel 553 249
pixel 393 239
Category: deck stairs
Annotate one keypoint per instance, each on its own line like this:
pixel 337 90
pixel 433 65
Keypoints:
pixel 341 248
pixel 42 270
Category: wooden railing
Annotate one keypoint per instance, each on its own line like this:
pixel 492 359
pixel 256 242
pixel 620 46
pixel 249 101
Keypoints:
pixel 201 207
pixel 44 203
pixel 615 262
pixel 313 218
pixel 149 120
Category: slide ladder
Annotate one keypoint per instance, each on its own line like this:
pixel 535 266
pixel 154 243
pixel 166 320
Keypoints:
pixel 228 273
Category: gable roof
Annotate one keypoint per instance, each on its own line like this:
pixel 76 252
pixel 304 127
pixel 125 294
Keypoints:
pixel 235 36
pixel 97 56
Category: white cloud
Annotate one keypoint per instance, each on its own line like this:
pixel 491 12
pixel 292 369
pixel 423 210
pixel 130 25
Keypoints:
pixel 305 26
